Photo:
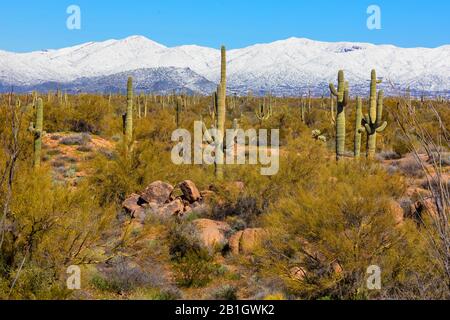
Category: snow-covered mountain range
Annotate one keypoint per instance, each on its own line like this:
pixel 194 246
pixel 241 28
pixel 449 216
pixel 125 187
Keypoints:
pixel 287 67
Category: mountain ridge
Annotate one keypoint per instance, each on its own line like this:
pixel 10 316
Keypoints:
pixel 283 67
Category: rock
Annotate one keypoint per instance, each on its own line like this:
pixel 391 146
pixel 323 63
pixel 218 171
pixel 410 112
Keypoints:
pixel 235 242
pixel 173 208
pixel 297 273
pixel 200 208
pixel 190 191
pixel 212 234
pixel 131 203
pixel 245 242
pixel 397 211
pixel 337 268
pixel 133 207
pixel 207 194
pixel 427 205
pixel 158 192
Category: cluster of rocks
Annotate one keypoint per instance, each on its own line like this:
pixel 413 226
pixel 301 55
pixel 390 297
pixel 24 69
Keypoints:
pixel 160 199
pixel 218 234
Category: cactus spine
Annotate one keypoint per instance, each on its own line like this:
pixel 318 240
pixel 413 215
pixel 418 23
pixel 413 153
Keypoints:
pixel 221 99
pixel 129 114
pixel 37 129
pixel 359 129
pixel 372 121
pixel 341 95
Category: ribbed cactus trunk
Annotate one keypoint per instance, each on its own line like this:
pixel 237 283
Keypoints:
pixel 129 114
pixel 145 106
pixel 372 121
pixel 342 99
pixel 358 128
pixel 221 99
pixel 37 129
pixel 178 112
pixel 302 114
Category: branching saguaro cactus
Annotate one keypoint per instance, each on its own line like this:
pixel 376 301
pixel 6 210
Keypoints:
pixel 359 129
pixel 372 121
pixel 264 111
pixel 37 129
pixel 341 95
pixel 221 114
pixel 128 116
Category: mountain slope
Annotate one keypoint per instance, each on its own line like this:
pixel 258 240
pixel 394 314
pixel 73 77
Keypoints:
pixel 157 80
pixel 283 67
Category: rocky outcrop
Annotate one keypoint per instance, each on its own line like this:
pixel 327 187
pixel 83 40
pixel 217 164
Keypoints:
pixel 163 200
pixel 246 241
pixel 212 234
pixel 190 191
pixel 397 211
pixel 133 207
pixel 158 192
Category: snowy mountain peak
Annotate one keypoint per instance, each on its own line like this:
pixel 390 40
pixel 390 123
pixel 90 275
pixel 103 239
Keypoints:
pixel 141 41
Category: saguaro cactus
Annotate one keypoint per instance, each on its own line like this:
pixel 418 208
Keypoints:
pixel 128 125
pixel 372 121
pixel 221 99
pixel 38 132
pixel 341 95
pixel 264 112
pixel 178 111
pixel 359 129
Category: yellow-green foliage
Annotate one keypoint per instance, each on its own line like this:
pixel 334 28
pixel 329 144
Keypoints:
pixel 332 218
pixel 55 227
pixel 321 216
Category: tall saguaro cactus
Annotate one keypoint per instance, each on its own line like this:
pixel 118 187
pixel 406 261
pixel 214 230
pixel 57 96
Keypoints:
pixel 372 121
pixel 37 129
pixel 341 95
pixel 178 111
pixel 221 101
pixel 129 114
pixel 359 129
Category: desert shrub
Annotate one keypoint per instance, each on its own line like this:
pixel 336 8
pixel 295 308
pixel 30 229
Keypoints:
pixel 56 227
pixel 411 168
pixel 324 235
pixel 121 276
pixel 58 164
pixel 53 152
pixel 73 140
pixel 192 263
pixel 195 268
pixel 226 292
pixel 67 159
pixel 84 149
pixel 388 155
pixel 401 146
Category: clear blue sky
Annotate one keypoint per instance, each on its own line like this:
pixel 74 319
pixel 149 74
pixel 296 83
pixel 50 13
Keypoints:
pixel 32 25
